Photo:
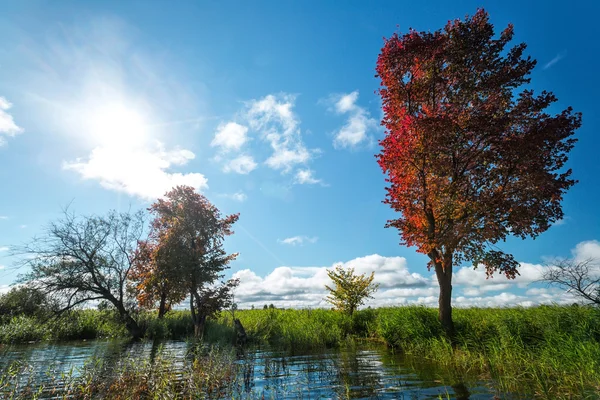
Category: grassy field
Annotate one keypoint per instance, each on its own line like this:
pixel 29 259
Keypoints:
pixel 547 351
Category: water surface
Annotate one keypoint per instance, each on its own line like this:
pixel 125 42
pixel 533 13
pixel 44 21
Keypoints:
pixel 360 371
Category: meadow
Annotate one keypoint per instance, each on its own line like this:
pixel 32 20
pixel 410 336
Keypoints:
pixel 544 352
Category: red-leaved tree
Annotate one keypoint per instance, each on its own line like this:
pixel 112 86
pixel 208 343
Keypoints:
pixel 469 160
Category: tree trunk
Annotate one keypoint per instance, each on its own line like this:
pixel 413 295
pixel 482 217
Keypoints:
pixel 197 318
pixel 162 308
pixel 443 271
pixel 131 324
pixel 192 309
pixel 199 326
pixel 240 333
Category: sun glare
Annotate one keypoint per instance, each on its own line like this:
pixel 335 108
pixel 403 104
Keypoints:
pixel 117 125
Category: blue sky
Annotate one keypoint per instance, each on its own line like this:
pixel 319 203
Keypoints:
pixel 269 109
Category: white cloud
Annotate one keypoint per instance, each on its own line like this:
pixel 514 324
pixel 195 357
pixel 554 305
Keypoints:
pixel 273 116
pixel 8 127
pixel 230 136
pixel 243 164
pixel 561 222
pixel 273 119
pixel 22 226
pixel 143 172
pixel 237 196
pixel 468 276
pixel 359 122
pixel 305 176
pixel 588 250
pixel 305 286
pixel 3 217
pixel 117 105
pixel 298 240
pixel 3 248
pixel 346 102
pixel 556 59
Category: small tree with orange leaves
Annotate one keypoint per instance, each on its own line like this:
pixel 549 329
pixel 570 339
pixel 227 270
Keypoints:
pixel 185 256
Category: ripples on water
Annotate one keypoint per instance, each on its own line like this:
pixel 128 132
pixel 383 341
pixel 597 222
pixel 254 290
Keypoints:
pixel 354 372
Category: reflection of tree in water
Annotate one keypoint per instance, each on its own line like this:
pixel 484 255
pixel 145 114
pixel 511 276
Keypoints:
pixel 360 371
pixel 430 375
pixel 352 372
pixel 359 374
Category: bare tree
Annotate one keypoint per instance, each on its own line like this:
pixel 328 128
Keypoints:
pixel 84 258
pixel 581 278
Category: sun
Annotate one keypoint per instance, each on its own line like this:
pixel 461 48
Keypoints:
pixel 117 125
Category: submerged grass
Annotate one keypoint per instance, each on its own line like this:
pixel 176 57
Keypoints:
pixel 210 372
pixel 547 352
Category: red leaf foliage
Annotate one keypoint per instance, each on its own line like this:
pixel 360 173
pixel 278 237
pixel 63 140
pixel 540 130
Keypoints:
pixel 468 159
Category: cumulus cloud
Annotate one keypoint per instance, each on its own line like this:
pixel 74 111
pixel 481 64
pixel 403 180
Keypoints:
pixel 468 276
pixel 588 250
pixel 8 127
pixel 305 286
pixel 230 136
pixel 141 171
pixel 359 122
pixel 298 240
pixel 243 164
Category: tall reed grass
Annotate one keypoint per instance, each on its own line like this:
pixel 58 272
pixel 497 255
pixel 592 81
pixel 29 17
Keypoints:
pixel 546 351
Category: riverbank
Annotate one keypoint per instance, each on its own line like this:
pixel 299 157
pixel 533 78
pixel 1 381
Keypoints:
pixel 546 352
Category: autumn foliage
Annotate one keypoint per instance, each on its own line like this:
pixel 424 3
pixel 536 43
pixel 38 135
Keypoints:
pixel 469 161
pixel 156 278
pixel 184 256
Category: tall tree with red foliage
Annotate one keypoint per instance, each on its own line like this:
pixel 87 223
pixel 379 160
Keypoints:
pixel 468 160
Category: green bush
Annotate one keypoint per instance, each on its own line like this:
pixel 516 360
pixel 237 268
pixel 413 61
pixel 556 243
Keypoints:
pixel 24 301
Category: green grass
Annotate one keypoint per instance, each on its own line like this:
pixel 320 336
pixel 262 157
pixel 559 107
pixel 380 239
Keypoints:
pixel 300 329
pixel 79 324
pixel 549 352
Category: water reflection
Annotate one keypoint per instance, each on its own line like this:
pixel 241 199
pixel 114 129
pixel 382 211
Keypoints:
pixel 361 371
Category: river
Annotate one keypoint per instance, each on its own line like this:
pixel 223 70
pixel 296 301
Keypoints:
pixel 358 371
